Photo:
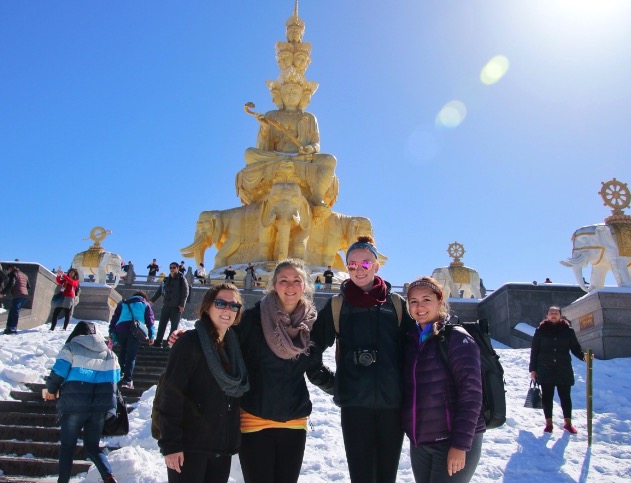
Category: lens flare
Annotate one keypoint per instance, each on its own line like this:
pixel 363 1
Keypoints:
pixel 452 114
pixel 494 70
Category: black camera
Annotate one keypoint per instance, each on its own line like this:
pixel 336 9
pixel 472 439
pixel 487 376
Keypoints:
pixel 364 357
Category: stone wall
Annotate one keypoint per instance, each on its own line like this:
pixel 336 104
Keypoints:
pixel 513 303
pixel 43 287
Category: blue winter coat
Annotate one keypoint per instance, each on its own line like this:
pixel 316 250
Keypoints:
pixel 442 403
pixel 85 373
pixel 134 308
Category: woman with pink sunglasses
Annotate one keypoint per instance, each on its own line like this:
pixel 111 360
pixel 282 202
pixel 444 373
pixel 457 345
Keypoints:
pixel 368 381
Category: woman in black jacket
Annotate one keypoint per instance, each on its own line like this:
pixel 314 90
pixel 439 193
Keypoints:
pixel 276 343
pixel 369 376
pixel 551 365
pixel 199 408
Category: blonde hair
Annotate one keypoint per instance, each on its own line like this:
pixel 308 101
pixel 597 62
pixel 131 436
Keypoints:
pixel 303 272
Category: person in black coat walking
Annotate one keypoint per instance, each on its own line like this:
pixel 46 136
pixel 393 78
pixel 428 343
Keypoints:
pixel 551 365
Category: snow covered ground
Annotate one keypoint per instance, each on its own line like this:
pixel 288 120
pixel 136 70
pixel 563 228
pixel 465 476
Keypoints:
pixel 516 452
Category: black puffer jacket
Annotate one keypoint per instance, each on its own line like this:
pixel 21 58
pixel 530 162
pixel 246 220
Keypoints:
pixel 373 329
pixel 278 390
pixel 195 414
pixel 550 353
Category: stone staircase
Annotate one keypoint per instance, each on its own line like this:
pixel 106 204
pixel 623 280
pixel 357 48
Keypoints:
pixel 29 432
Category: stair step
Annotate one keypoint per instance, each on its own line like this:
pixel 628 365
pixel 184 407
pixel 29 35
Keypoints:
pixel 26 396
pixel 33 433
pixel 37 407
pixel 14 418
pixel 11 465
pixel 38 449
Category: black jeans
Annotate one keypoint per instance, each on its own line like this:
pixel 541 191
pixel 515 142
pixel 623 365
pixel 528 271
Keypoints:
pixel 429 462
pixel 372 440
pixel 167 313
pixel 201 468
pixel 272 455
pixel 547 396
pixel 129 351
pixel 56 313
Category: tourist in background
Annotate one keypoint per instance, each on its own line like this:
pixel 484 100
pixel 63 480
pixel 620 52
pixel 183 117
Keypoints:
pixel 199 407
pixel 369 377
pixel 18 285
pixel 83 402
pixel 127 311
pixel 250 277
pixel 328 278
pixel 68 284
pixel 153 270
pixel 182 268
pixel 275 338
pixel 200 274
pixel 174 292
pixel 4 279
pixel 442 402
pixel 229 273
pixel 551 364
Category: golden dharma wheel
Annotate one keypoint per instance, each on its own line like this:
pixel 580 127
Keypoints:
pixel 456 250
pixel 98 234
pixel 615 195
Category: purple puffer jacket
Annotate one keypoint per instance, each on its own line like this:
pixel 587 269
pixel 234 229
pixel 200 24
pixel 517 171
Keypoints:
pixel 439 404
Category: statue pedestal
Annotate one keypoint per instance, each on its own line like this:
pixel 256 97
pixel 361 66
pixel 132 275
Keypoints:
pixel 602 321
pixel 97 301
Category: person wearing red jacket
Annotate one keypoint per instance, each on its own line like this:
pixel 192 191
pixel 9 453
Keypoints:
pixel 68 284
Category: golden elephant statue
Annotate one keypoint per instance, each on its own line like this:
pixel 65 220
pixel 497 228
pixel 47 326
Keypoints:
pixel 268 230
pixel 333 233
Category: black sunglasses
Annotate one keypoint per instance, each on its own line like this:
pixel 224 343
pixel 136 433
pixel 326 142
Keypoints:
pixel 222 304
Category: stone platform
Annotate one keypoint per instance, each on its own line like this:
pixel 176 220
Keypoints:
pixel 602 321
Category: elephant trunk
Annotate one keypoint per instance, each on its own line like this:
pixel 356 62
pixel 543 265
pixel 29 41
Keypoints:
pixel 196 249
pixel 576 263
pixel 282 241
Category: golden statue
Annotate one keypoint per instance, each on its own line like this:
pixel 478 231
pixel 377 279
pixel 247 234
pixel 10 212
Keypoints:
pixel 287 186
pixel 288 143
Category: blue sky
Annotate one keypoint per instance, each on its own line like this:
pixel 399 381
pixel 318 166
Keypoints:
pixel 129 115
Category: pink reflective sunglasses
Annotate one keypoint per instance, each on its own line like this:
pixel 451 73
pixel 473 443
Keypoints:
pixel 365 264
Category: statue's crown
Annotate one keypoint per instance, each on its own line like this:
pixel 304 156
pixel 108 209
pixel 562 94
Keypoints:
pixel 295 20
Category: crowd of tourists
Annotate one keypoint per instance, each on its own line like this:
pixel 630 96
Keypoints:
pixel 235 384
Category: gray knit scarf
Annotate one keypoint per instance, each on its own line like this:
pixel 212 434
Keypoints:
pixel 234 384
pixel 288 336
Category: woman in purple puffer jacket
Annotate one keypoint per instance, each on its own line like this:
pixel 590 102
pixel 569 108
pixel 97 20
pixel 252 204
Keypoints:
pixel 442 402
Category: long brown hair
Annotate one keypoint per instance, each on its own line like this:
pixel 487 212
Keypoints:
pixel 209 299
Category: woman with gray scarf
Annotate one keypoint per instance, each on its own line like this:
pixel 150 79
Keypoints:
pixel 204 379
pixel 275 338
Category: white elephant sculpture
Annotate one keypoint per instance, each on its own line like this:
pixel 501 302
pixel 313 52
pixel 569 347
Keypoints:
pixel 97 262
pixel 331 233
pixel 596 245
pixel 453 279
pixel 268 230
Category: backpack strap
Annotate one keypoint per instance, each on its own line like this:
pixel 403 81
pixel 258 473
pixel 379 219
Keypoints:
pixel 398 306
pixel 336 307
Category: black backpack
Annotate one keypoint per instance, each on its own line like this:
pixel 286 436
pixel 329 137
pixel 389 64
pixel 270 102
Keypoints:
pixel 493 390
pixel 155 409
